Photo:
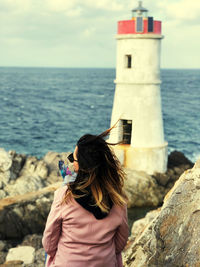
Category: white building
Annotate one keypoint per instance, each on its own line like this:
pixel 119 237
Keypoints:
pixel 137 100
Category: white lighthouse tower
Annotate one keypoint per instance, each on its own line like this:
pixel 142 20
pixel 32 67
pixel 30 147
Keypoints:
pixel 137 101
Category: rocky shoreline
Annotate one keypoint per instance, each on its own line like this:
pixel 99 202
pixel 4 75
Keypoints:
pixel 27 185
pixel 169 236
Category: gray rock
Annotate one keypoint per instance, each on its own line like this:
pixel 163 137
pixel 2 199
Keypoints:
pixel 34 167
pixel 177 158
pixel 2 194
pixel 39 255
pixel 22 253
pixel 1 184
pixel 34 240
pixel 4 178
pixel 18 161
pixel 161 178
pixel 28 174
pixel 2 257
pixel 179 170
pixel 23 185
pixel 39 258
pixel 5 160
pixel 25 214
pixel 52 158
pixel 142 190
pixel 139 225
pixel 172 238
pixel 2 245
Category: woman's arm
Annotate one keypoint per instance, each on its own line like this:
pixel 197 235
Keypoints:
pixel 122 233
pixel 53 226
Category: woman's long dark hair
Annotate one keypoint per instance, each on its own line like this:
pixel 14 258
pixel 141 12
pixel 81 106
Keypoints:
pixel 99 171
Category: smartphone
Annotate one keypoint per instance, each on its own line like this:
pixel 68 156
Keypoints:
pixel 64 170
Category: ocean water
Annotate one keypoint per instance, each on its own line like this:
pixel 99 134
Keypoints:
pixel 43 109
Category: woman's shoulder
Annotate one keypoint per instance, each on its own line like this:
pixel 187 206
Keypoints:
pixel 60 192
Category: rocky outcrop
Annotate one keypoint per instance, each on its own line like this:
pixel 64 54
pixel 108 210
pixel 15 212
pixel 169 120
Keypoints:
pixel 178 159
pixel 139 225
pixel 10 165
pixel 144 190
pixel 5 175
pixel 25 214
pixel 156 240
pixel 33 242
pixel 18 161
pixel 24 253
pixel 20 174
pixel 172 237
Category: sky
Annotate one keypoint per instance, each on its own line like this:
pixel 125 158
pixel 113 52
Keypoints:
pixel 77 33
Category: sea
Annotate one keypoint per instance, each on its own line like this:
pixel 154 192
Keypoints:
pixel 48 109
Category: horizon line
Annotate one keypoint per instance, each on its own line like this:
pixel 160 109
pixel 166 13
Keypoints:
pixel 57 67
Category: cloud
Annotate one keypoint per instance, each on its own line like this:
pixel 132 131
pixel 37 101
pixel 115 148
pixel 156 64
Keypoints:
pixel 88 32
pixel 87 27
pixel 61 5
pixel 76 12
pixel 17 6
pixel 105 5
pixel 64 6
pixel 182 10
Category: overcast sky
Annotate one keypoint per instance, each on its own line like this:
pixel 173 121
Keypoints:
pixel 81 33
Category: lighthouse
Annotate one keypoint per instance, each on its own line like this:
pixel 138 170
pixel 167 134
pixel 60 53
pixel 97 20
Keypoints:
pixel 137 102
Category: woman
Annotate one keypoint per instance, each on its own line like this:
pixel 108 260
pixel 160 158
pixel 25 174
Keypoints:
pixel 87 225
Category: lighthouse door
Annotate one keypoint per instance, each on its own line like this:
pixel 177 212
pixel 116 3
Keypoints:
pixel 127 129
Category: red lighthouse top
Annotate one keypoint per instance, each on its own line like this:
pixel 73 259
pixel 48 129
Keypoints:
pixel 140 23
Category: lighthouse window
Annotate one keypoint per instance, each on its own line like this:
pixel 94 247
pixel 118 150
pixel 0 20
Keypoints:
pixel 128 60
pixel 139 24
pixel 150 24
pixel 127 129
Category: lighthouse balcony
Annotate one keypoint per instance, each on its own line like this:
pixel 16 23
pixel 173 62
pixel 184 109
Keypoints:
pixel 130 27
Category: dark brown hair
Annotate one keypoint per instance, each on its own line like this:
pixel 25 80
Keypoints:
pixel 99 170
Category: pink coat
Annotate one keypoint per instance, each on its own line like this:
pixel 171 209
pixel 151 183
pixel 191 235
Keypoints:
pixel 73 237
